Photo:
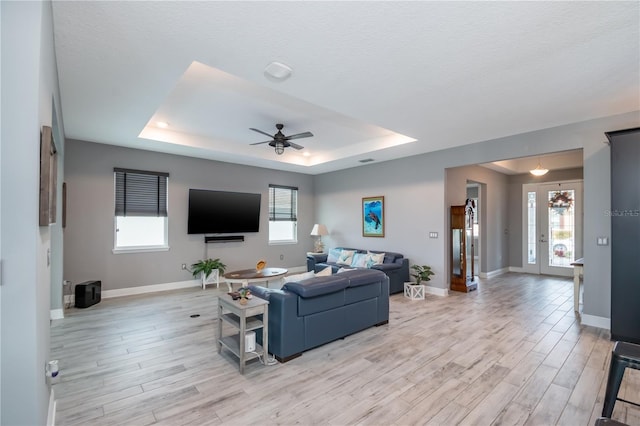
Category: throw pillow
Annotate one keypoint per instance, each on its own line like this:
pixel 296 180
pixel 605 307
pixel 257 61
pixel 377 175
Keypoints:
pixel 346 257
pixel 298 277
pixel 359 260
pixel 374 259
pixel 333 256
pixel 326 272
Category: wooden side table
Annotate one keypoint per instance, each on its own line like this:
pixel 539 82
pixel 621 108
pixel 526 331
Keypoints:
pixel 243 318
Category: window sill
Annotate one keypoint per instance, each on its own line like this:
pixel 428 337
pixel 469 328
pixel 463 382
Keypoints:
pixel 282 243
pixel 124 250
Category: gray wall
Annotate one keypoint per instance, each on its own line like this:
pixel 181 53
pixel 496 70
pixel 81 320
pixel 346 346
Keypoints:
pixel 88 237
pixel 416 202
pixel 493 238
pixel 29 83
pixel 516 202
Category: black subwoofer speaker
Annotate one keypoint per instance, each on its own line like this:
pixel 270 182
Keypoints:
pixel 88 293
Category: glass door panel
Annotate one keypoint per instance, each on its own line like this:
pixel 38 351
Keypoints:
pixel 552 227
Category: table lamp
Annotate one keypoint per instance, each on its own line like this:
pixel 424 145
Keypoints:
pixel 318 231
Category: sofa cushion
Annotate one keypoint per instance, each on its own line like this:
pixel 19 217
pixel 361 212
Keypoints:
pixel 358 277
pixel 374 259
pixel 359 260
pixel 346 257
pixel 333 256
pixel 298 277
pixel 323 272
pixel 318 286
pixel 391 257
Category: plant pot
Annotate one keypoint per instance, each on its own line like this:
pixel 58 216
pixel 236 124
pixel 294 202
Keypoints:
pixel 414 291
pixel 212 278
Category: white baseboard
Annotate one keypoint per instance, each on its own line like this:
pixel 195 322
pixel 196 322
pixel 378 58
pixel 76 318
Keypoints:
pixel 55 314
pixel 594 321
pixel 492 274
pixel 437 291
pixel 517 269
pixel 130 291
pixel 51 414
pixel 69 300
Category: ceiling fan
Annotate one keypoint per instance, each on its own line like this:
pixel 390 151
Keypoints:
pixel 279 141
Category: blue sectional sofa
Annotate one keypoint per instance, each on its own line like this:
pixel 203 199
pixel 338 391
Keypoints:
pixel 395 265
pixel 315 311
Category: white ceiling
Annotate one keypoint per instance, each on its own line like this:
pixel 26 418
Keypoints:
pixel 555 161
pixel 378 80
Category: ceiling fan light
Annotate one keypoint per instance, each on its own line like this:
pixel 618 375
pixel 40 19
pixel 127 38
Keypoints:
pixel 277 71
pixel 539 171
pixel 279 148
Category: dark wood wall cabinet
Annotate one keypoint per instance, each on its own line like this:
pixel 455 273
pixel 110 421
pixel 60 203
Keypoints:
pixel 625 234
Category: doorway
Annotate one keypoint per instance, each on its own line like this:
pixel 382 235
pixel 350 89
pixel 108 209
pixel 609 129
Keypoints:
pixel 552 227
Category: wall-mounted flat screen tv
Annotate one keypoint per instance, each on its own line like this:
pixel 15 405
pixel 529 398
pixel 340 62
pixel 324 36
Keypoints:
pixel 222 212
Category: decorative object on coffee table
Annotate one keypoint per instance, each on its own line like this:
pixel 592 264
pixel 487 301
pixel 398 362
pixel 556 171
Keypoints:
pixel 260 265
pixel 245 294
pixel 209 271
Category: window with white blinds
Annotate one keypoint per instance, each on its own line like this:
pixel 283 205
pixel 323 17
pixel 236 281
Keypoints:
pixel 141 212
pixel 283 214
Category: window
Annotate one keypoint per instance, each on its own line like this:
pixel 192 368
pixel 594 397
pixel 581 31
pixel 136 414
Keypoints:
pixel 140 210
pixel 283 214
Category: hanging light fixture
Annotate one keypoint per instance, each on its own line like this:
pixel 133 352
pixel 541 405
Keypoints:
pixel 539 171
pixel 279 147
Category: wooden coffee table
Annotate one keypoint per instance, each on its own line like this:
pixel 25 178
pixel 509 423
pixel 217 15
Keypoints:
pixel 246 276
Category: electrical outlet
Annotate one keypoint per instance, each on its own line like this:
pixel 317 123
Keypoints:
pixel 184 266
pixel 282 257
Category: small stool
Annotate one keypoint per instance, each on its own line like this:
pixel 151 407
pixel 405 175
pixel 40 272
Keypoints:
pixel 624 355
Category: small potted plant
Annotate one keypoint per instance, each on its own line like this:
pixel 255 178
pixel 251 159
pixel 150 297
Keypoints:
pixel 416 290
pixel 245 294
pixel 422 272
pixel 209 270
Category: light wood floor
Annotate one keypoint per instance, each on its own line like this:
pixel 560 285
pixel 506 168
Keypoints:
pixel 510 353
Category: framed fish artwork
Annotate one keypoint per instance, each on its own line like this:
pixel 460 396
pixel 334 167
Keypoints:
pixel 373 216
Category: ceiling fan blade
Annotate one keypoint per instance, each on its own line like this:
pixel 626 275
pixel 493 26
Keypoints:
pixel 299 135
pixel 260 131
pixel 295 145
pixel 258 143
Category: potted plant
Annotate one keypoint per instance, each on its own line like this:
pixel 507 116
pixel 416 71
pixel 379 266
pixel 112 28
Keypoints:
pixel 416 290
pixel 209 270
pixel 422 272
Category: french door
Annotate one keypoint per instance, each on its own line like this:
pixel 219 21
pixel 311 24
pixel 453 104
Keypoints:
pixel 552 227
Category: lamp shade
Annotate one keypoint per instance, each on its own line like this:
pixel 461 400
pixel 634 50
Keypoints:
pixel 319 230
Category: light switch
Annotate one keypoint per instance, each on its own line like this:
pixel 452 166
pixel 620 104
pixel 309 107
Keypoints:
pixel 433 235
pixel 603 241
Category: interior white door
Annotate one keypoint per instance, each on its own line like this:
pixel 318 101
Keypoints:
pixel 552 227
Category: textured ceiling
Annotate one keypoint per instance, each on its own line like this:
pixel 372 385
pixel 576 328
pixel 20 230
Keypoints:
pixel 378 80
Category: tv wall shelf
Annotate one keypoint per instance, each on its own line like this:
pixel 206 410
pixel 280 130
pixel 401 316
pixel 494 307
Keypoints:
pixel 225 239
